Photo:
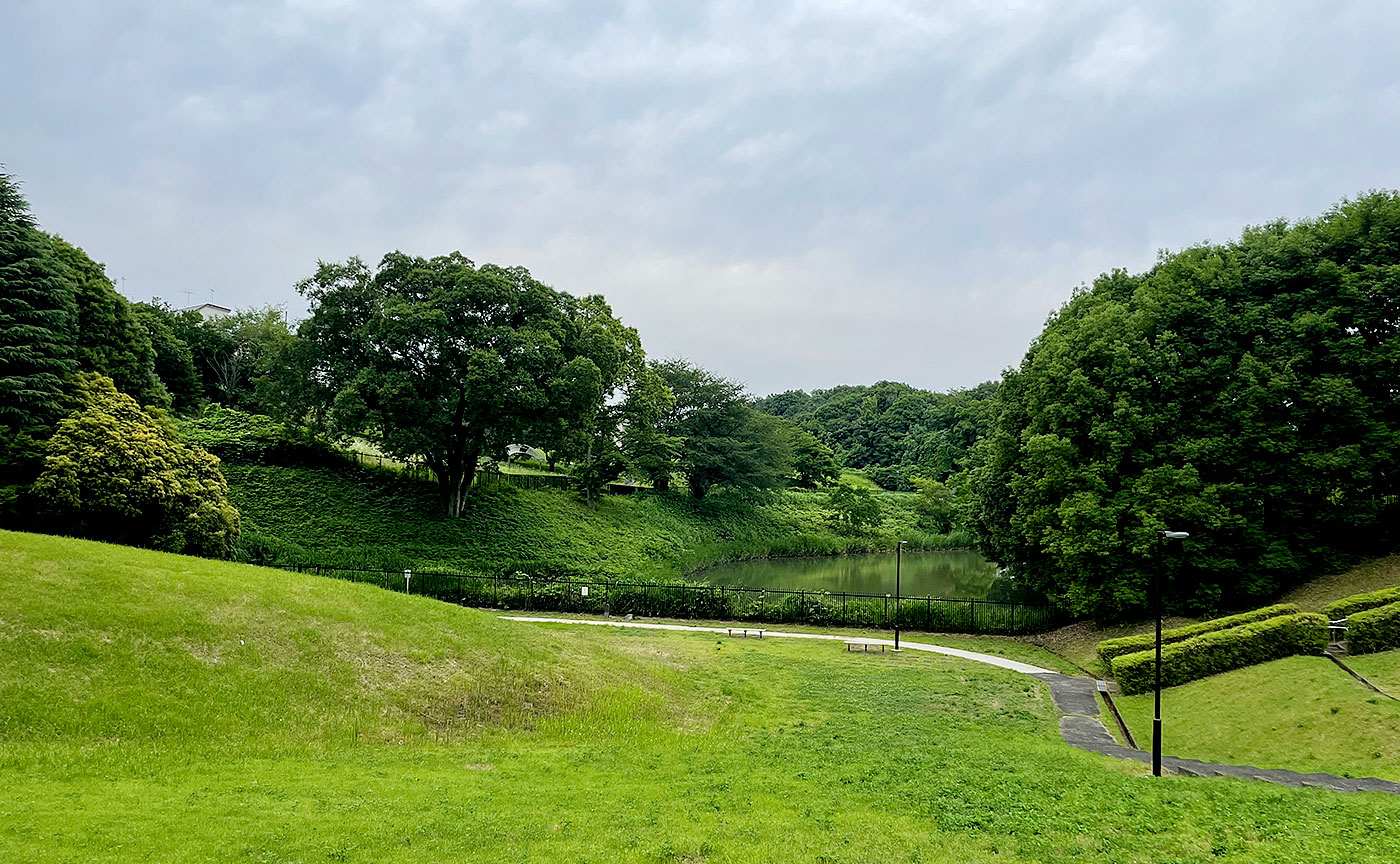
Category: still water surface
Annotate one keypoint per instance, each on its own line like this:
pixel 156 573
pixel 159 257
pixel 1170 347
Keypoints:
pixel 956 575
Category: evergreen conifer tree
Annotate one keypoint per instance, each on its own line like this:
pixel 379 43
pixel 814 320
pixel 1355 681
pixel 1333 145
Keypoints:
pixel 37 315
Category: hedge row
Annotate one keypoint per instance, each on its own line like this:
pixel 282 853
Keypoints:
pixel 1374 630
pixel 1111 648
pixel 700 601
pixel 1348 606
pixel 1220 651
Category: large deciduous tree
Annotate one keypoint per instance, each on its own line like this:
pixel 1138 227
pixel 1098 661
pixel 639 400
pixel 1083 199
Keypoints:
pixel 722 441
pixel 441 359
pixel 1245 393
pixel 627 395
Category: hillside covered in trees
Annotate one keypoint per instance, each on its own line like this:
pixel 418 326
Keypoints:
pixel 891 431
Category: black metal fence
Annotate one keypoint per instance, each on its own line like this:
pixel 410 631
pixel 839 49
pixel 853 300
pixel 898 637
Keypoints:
pixel 710 602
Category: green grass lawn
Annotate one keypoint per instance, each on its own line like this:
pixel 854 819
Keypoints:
pixel 1377 573
pixel 1302 713
pixel 1382 670
pixel 161 708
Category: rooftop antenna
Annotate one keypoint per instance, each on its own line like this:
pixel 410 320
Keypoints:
pixel 188 301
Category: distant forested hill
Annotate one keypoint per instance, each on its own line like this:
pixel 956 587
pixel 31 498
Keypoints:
pixel 891 430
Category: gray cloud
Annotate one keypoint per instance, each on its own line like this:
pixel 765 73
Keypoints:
pixel 796 195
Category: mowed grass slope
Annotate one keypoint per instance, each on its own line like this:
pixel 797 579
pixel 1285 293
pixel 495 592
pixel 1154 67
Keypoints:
pixel 161 708
pixel 1302 713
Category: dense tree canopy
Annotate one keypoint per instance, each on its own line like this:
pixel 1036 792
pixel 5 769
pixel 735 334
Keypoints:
pixel 109 339
pixel 172 360
pixel 1245 393
pixel 721 440
pixel 440 359
pixel 892 431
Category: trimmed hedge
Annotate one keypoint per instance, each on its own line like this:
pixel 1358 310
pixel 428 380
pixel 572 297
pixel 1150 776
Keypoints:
pixel 1348 606
pixel 1374 630
pixel 1212 653
pixel 1111 648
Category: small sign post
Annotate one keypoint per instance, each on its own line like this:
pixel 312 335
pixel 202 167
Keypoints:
pixel 585 591
pixel 407 575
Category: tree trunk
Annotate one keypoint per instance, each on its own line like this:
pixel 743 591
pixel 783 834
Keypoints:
pixel 450 482
pixel 455 471
pixel 588 477
pixel 661 483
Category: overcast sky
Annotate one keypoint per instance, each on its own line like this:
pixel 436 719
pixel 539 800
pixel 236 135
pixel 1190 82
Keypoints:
pixel 793 195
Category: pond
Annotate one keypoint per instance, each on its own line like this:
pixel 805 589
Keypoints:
pixel 960 575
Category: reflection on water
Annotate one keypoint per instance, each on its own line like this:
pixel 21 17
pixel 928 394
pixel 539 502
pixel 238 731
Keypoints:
pixel 958 575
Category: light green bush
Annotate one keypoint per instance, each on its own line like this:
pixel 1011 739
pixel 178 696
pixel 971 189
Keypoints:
pixel 1373 630
pixel 1348 606
pixel 114 472
pixel 1110 648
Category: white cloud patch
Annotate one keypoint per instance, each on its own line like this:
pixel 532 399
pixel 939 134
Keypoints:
pixel 796 194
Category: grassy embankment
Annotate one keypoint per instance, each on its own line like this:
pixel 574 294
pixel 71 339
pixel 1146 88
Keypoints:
pixel 1303 713
pixel 357 517
pixel 162 708
pixel 1078 643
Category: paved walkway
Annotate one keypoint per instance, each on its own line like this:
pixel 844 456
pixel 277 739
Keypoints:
pixel 991 659
pixel 1076 699
pixel 1080 727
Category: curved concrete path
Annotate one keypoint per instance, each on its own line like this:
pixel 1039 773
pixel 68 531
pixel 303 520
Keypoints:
pixel 1076 699
pixel 989 659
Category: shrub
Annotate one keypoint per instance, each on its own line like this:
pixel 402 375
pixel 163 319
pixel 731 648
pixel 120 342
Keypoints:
pixel 117 473
pixel 1222 650
pixel 1372 630
pixel 853 508
pixel 255 439
pixel 1110 648
pixel 1348 606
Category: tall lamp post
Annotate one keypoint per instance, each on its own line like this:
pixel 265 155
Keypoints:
pixel 897 550
pixel 1157 601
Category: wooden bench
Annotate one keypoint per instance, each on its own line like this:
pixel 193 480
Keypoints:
pixel 746 632
pixel 865 645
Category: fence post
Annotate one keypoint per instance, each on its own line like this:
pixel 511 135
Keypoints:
pixel 972 616
pixel 843 608
pixel 885 616
pixel 1013 616
pixel 928 613
pixel 531 580
pixel 802 605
